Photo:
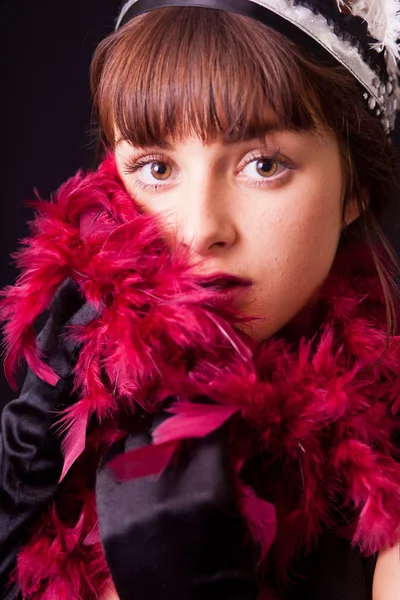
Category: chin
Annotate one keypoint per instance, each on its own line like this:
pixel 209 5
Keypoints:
pixel 256 331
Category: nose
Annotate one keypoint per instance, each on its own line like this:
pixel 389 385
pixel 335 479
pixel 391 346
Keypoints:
pixel 205 218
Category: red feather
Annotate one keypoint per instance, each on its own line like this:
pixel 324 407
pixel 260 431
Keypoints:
pixel 324 408
pixel 192 420
pixel 141 462
pixel 74 424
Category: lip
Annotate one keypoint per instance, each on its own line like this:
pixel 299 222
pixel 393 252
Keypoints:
pixel 224 282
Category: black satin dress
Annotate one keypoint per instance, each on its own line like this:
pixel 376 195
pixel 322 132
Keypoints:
pixel 176 537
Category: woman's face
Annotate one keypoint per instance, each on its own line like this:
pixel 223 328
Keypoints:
pixel 266 210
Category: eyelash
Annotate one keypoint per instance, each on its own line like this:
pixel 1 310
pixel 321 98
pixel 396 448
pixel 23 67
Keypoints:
pixel 274 157
pixel 135 165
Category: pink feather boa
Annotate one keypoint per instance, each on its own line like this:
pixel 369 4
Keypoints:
pixel 324 408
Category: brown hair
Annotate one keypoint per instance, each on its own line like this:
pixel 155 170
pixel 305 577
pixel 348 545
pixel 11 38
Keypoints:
pixel 195 71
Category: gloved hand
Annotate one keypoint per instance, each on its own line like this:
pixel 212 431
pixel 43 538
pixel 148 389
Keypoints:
pixel 30 450
pixel 178 536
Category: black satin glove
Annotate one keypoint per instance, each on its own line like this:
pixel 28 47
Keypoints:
pixel 178 536
pixel 30 450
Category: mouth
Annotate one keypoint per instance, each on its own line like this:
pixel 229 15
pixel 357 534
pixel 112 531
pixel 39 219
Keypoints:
pixel 224 282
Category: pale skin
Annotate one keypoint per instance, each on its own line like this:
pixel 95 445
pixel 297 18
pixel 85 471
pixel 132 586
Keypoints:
pixel 386 585
pixel 270 210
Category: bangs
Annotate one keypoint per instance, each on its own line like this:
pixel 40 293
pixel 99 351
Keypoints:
pixel 182 72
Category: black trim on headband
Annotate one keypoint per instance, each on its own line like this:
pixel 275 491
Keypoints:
pixel 348 27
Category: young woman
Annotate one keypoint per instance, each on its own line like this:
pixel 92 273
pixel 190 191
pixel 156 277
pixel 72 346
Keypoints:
pixel 214 408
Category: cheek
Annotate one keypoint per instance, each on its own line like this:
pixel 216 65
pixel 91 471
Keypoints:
pixel 297 243
pixel 311 234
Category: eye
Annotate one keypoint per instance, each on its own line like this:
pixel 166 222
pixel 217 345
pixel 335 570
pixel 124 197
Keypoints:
pixel 262 168
pixel 266 167
pixel 156 170
pixel 151 172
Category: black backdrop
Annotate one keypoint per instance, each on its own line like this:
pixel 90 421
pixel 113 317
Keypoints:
pixel 45 52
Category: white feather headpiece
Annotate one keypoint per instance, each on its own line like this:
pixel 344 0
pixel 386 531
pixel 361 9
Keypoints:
pixel 383 22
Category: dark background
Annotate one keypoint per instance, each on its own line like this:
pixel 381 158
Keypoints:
pixel 45 52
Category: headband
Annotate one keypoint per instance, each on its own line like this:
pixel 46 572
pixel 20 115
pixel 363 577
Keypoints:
pixel 363 40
